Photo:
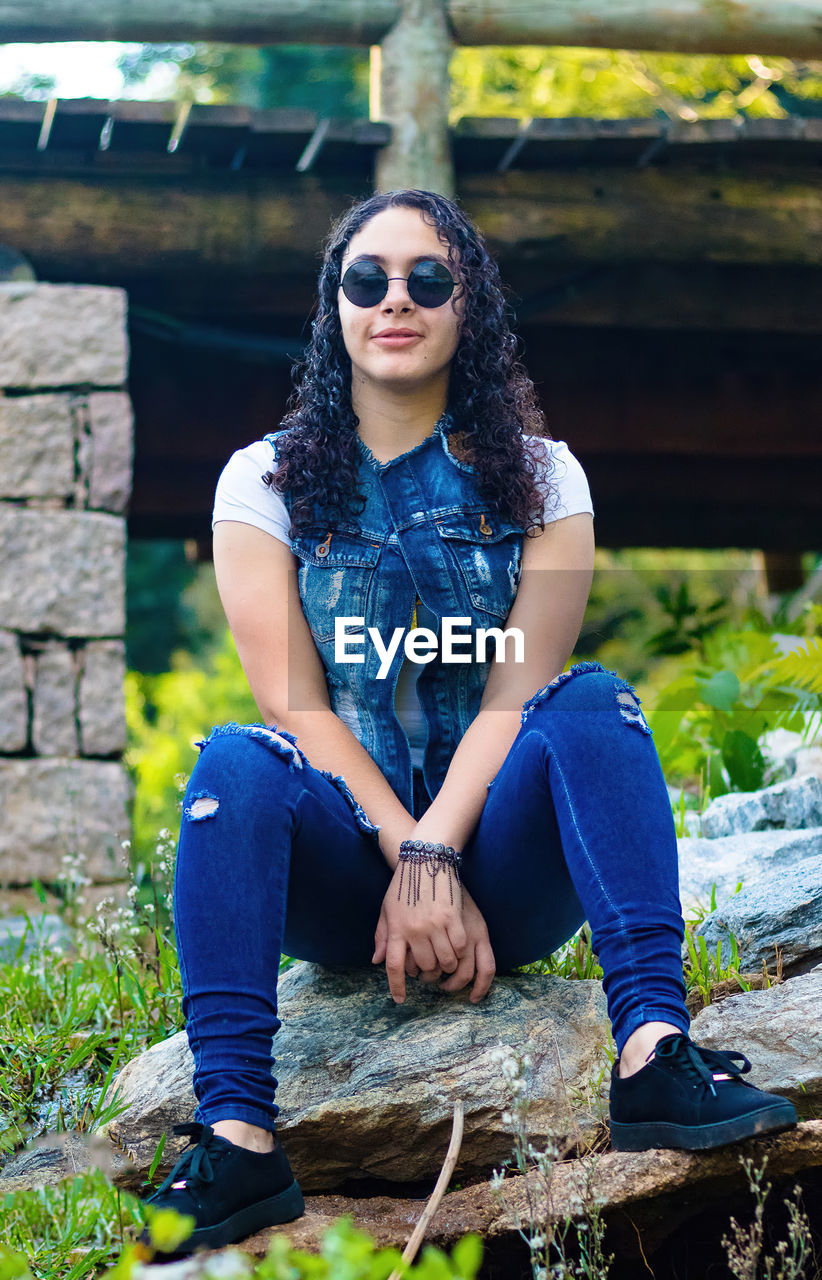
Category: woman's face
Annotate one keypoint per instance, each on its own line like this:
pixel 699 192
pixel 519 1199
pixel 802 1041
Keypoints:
pixel 397 239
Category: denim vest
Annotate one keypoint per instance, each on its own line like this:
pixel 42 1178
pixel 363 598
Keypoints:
pixel 426 534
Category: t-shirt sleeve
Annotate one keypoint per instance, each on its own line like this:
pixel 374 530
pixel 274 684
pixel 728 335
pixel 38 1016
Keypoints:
pixel 241 494
pixel 565 486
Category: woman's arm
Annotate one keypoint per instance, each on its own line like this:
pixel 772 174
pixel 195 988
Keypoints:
pixel 257 581
pixel 557 570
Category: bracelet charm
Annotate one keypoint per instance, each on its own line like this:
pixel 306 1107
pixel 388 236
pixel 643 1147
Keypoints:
pixel 435 857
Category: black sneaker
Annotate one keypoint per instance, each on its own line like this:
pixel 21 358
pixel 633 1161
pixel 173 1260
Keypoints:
pixel 229 1191
pixel 691 1097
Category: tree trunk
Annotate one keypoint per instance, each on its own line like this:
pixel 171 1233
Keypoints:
pixel 414 94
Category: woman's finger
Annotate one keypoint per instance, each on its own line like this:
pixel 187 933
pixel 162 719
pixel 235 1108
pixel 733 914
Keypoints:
pixel 395 967
pixel 446 956
pixel 462 975
pixel 424 954
pixel 486 968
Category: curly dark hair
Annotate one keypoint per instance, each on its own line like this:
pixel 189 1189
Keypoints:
pixel 491 399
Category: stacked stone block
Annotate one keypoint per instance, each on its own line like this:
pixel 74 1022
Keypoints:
pixel 65 479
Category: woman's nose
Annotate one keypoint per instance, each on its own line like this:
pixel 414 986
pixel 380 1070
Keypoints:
pixel 397 297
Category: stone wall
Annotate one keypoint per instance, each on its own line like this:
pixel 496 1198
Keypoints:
pixel 65 480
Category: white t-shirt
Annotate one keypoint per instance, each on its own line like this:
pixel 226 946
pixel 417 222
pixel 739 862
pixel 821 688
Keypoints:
pixel 241 495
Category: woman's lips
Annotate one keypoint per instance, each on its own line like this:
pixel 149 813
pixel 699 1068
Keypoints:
pixel 392 340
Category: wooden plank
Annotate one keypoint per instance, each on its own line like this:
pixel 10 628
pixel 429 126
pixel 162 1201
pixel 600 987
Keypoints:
pixel 789 27
pixel 263 222
pixel 712 296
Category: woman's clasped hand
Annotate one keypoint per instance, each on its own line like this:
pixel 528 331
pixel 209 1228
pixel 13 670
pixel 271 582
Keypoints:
pixel 432 936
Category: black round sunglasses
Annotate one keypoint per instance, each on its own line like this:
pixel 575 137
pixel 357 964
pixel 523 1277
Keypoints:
pixel 430 284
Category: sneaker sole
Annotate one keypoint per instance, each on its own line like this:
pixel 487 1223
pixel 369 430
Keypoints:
pixel 654 1134
pixel 284 1207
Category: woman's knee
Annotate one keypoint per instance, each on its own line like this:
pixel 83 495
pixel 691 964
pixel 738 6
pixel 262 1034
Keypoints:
pixel 234 755
pixel 588 686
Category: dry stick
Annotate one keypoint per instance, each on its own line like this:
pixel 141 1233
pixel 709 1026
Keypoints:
pixel 410 1250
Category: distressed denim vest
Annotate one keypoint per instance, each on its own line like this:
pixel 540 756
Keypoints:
pixel 426 539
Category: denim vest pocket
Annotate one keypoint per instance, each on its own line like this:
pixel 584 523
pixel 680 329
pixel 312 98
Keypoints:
pixel 335 574
pixel 488 554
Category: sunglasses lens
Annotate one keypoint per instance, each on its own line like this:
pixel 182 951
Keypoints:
pixel 365 284
pixel 430 284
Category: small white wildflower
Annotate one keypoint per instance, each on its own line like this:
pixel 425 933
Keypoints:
pixel 507 1118
pixel 497 1180
pixel 537 1242
pixel 125 844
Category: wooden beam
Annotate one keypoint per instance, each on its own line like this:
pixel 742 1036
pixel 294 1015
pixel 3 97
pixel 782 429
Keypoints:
pixel 96 225
pixel 414 96
pixel 789 27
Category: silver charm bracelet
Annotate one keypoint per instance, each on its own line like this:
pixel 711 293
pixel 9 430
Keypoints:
pixel 435 858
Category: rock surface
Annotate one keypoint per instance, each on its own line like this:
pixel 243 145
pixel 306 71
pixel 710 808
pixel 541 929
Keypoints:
pixel 63 572
pixel 54 718
pixel 56 807
pixel 367 1087
pixel 730 859
pixel 645 1196
pixel 783 909
pixel 13 700
pixel 55 335
pixel 793 805
pixel 112 433
pixel 780 1031
pixel 36 446
pixel 100 709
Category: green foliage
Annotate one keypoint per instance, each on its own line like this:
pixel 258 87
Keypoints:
pixel 68 1231
pixel 71 1020
pixel 710 718
pixel 574 959
pixel 612 83
pixel 158 617
pixel 71 1231
pixel 166 714
pixel 333 81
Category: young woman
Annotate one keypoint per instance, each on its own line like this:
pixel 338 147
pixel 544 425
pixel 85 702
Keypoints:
pixel 445 811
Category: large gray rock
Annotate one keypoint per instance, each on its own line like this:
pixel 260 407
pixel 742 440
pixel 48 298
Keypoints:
pixel 63 572
pixel 58 335
pixel 367 1087
pixel 54 719
pixel 779 1030
pixel 54 808
pixel 790 755
pixel 13 697
pixel 101 708
pixel 783 909
pixel 36 446
pixel 730 859
pixel 794 805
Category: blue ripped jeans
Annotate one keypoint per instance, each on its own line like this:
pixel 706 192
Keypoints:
pixel 274 857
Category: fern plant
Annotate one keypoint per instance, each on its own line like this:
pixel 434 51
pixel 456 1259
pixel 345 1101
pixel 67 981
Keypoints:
pixel 711 719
